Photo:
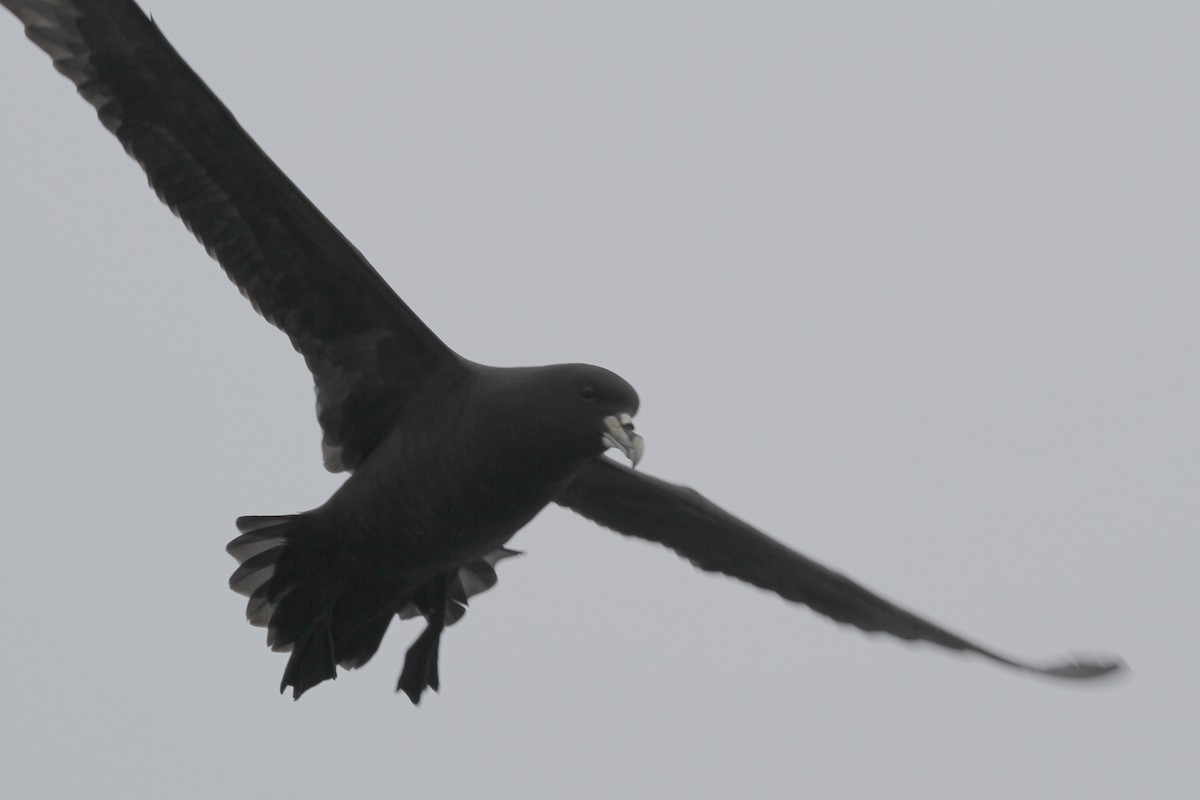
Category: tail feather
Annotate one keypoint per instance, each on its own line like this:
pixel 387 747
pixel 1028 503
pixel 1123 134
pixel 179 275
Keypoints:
pixel 258 534
pixel 289 571
pixel 355 648
pixel 328 608
pixel 255 571
pixel 259 608
pixel 312 660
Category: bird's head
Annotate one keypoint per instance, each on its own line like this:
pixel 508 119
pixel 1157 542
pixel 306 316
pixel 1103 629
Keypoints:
pixel 614 401
pixel 577 410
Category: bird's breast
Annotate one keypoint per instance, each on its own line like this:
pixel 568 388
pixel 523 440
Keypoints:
pixel 425 502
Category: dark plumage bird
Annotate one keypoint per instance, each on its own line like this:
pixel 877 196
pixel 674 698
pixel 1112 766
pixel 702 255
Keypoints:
pixel 447 458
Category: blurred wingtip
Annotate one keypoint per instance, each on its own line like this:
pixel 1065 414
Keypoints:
pixel 1080 668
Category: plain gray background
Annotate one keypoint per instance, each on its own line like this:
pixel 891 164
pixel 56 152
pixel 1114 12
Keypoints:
pixel 912 287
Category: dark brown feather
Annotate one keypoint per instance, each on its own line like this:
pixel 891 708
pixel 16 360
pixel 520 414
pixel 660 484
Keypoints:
pixel 366 349
pixel 639 505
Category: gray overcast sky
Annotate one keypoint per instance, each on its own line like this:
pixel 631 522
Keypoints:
pixel 910 286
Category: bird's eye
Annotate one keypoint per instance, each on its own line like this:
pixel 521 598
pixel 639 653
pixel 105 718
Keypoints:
pixel 587 391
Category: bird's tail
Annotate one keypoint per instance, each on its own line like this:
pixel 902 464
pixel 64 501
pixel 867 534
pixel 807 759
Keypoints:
pixel 303 591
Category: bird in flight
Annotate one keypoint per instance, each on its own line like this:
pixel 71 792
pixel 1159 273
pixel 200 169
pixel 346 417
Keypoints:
pixel 447 459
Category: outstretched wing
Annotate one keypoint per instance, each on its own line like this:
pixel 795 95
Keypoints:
pixel 636 504
pixel 367 350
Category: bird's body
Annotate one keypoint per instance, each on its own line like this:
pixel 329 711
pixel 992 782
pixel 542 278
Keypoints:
pixel 466 468
pixel 447 458
pixel 501 476
pixel 467 463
